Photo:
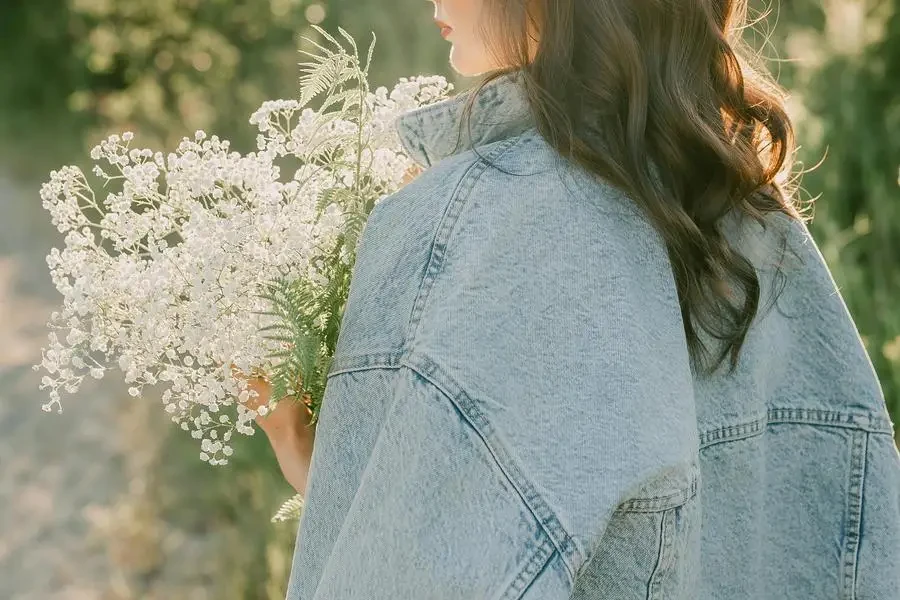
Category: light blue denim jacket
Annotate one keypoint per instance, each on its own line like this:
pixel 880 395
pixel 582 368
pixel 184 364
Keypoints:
pixel 511 413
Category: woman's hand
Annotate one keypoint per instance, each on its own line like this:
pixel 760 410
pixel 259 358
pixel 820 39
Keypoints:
pixel 287 427
pixel 411 174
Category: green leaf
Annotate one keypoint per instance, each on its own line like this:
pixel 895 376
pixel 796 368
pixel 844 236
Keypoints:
pixel 290 510
pixel 369 54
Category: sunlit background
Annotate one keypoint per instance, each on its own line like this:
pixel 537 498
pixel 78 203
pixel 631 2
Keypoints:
pixel 109 500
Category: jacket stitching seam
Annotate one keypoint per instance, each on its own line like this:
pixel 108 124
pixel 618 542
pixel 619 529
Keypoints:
pixel 811 416
pixel 440 243
pixel 539 560
pixel 872 424
pixel 662 503
pixel 547 548
pixel 732 432
pixel 661 565
pixel 850 545
pixel 536 505
pixel 862 507
pixel 834 418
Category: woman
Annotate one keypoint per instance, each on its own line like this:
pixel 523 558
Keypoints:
pixel 591 350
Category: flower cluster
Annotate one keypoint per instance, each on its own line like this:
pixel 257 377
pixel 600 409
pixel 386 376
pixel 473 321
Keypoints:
pixel 161 264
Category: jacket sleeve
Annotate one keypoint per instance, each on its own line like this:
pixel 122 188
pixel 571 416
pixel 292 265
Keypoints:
pixel 433 515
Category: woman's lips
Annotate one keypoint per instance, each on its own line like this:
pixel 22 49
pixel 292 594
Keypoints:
pixel 445 31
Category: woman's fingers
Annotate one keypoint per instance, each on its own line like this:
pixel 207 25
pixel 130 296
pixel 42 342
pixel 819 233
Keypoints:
pixel 287 408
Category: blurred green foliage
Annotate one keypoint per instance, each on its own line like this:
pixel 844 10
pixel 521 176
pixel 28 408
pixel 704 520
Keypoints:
pixel 73 71
pixel 80 69
pixel 840 60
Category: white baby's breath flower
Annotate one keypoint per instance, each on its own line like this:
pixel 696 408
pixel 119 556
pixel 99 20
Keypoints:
pixel 165 255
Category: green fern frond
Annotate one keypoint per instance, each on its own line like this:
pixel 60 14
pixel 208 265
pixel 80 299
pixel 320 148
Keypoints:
pixel 306 316
pixel 297 306
pixel 319 77
pixel 326 35
pixel 290 510
pixel 369 55
pixel 332 195
pixel 349 38
pixel 346 96
pixel 285 298
pixel 349 72
pixel 316 44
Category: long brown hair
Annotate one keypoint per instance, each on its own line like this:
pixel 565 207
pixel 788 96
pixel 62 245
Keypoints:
pixel 616 81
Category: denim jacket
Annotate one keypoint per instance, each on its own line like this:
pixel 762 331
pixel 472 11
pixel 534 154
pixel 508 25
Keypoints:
pixel 511 412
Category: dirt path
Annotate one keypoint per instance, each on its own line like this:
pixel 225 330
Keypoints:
pixel 57 471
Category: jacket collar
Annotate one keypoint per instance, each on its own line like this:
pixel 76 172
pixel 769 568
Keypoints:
pixel 430 133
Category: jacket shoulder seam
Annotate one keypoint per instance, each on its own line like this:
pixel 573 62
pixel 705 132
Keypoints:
pixel 452 211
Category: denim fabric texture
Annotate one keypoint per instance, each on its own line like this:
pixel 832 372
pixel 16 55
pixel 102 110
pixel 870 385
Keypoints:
pixel 511 412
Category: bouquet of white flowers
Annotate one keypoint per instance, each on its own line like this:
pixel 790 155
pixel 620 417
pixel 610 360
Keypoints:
pixel 205 260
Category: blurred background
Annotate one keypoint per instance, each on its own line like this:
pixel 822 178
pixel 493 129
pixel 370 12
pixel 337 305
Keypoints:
pixel 109 500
